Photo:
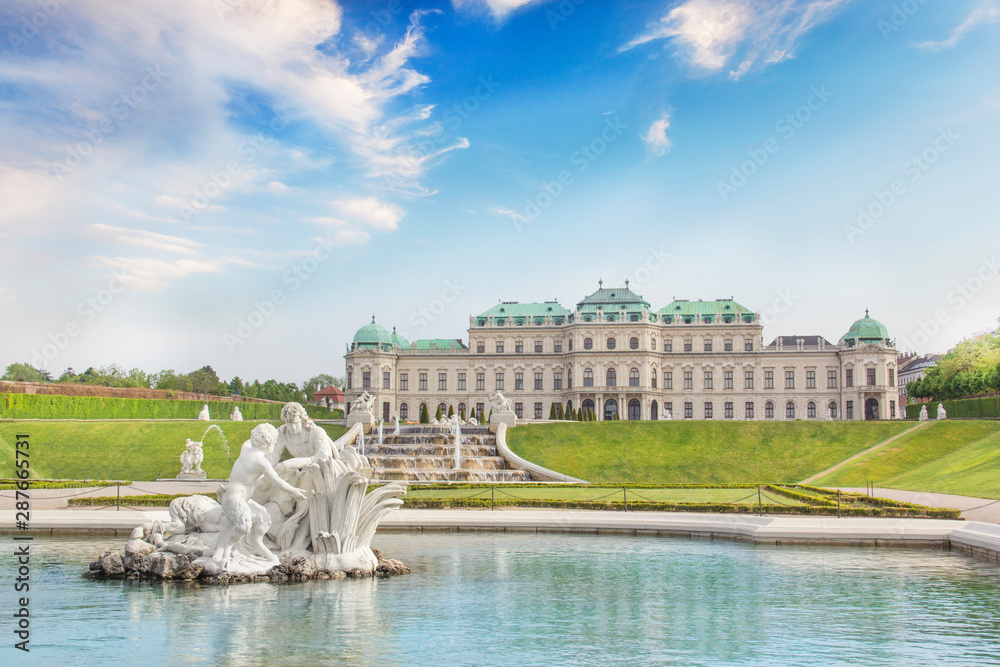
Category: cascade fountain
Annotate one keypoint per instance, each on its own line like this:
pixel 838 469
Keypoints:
pixel 457 427
pixel 380 433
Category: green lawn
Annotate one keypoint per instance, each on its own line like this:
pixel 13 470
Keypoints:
pixel 961 457
pixel 542 492
pixel 134 450
pixel 704 452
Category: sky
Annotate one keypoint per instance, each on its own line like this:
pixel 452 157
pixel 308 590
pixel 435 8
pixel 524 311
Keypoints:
pixel 245 183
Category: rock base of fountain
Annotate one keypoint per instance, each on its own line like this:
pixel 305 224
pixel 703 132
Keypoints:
pixel 194 476
pixel 138 563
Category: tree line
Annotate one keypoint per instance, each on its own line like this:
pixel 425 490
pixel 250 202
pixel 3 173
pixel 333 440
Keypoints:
pixel 970 369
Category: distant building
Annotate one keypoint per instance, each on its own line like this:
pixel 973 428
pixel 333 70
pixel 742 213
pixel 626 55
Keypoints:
pixel 913 367
pixel 330 397
pixel 617 356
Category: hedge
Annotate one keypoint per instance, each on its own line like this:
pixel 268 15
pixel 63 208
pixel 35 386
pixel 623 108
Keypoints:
pixel 9 484
pixel 965 408
pixel 44 406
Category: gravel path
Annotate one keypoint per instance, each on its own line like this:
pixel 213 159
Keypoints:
pixel 988 514
pixel 51 499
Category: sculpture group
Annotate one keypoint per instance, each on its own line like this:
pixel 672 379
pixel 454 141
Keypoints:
pixel 313 506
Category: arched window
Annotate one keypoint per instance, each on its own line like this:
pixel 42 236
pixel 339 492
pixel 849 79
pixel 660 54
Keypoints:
pixel 519 410
pixel 611 343
pixel 570 344
pixel 610 409
pixel 461 409
pixel 789 410
pixel 652 343
pixel 769 410
pixel 443 408
pixel 404 412
pixel 588 377
pixel 611 378
pixel 832 409
pixel 654 412
pixel 653 378
pixel 633 343
pixel 588 343
pixel 634 410
pixel 811 410
pixel 587 406
pixel 633 377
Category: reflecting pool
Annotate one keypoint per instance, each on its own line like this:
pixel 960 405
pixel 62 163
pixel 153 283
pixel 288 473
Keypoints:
pixel 534 599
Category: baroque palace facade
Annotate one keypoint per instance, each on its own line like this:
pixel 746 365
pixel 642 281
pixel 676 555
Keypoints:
pixel 617 356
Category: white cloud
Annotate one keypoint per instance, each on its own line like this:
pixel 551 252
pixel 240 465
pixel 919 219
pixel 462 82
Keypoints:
pixel 986 13
pixel 498 9
pixel 147 274
pixel 371 211
pixel 149 240
pixel 657 141
pixel 514 216
pixel 712 35
pixel 277 187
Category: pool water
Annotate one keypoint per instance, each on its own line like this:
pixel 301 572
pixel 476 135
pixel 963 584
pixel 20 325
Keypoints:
pixel 534 599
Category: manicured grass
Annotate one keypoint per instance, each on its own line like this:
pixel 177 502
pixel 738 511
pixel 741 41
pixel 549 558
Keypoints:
pixel 612 494
pixel 127 450
pixel 960 457
pixel 677 452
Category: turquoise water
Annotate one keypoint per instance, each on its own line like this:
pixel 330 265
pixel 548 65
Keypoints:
pixel 526 599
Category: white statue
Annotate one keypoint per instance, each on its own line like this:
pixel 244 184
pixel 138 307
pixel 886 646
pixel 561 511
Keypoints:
pixel 236 415
pixel 244 522
pixel 472 422
pixel 829 414
pixel 203 415
pixel 941 413
pixel 923 413
pixel 501 405
pixel 364 405
pixel 191 458
pixel 667 416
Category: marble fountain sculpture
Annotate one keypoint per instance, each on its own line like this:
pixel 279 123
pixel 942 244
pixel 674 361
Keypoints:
pixel 308 516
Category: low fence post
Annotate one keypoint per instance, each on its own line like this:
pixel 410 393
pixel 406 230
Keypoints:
pixel 838 503
pixel 492 498
pixel 625 498
pixel 118 496
pixel 760 505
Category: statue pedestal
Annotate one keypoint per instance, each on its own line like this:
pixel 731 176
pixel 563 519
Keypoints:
pixel 366 419
pixel 495 420
pixel 187 476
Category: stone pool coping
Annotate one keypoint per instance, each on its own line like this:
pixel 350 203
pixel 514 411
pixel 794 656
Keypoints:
pixel 969 537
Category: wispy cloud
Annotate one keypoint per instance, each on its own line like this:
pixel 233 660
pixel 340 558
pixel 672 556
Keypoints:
pixel 986 13
pixel 657 141
pixel 149 240
pixel 510 213
pixel 712 35
pixel 498 9
pixel 371 211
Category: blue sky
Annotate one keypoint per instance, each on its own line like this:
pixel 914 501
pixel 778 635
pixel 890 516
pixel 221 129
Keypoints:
pixel 244 183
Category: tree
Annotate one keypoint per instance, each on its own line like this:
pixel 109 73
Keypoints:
pixel 206 381
pixel 438 415
pixel 451 411
pixel 559 411
pixel 315 383
pixel 236 386
pixel 461 414
pixel 424 418
pixel 23 373
pixel 552 411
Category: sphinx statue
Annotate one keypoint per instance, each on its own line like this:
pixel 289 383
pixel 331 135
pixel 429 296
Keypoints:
pixel 236 415
pixel 923 413
pixel 203 415
pixel 941 412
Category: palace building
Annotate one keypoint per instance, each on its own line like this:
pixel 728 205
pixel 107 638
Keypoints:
pixel 615 355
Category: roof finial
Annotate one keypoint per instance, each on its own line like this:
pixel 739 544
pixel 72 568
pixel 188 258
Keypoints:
pixel 626 283
pixel 866 312
pixel 373 319
pixel 600 282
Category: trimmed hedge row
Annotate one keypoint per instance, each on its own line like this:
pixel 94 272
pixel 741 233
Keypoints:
pixel 8 484
pixel 44 406
pixel 152 500
pixel 965 408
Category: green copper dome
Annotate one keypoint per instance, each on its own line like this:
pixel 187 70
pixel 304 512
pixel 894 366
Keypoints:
pixel 372 334
pixel 866 330
pixel 399 340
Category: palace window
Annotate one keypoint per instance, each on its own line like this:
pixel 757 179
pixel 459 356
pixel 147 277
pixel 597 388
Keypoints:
pixel 831 379
pixel 748 379
pixel 569 345
pixel 461 411
pixel 461 381
pixel 366 380
pixel 709 410
pixel 688 345
pixel 404 381
pixel 518 381
pixel 499 381
pixel 688 380
pixel 811 410
pixel 850 410
pixel 480 381
pixel 423 382
pixel 385 379
pixel 480 347
pixel 789 410
pixel 499 347
pixel 708 380
pixel 611 377
pixel 768 379
pixel 748 344
pixel 480 408
pixel 871 376
pixel 518 347
pixel 892 377
pixel 668 379
pixel 350 378
pixel 633 343
pixel 442 382
pixel 668 346
pixel 588 377
pixel 653 378
pixel 789 379
pixel 633 377
pixel 404 412
pixel 727 345
pixel 810 379
pixel 538 410
pixel 588 343
pixel 727 379
pixel 557 380
pixel 688 410
pixel 728 407
pixel 519 410
pixel 668 407
pixel 652 344
pixel 708 344
pixel 769 410
pixel 612 343
pixel 557 346
pixel 849 378
pixel 538 381
pixel 538 347
pixel 832 410
pixel 892 409
pixel 748 410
